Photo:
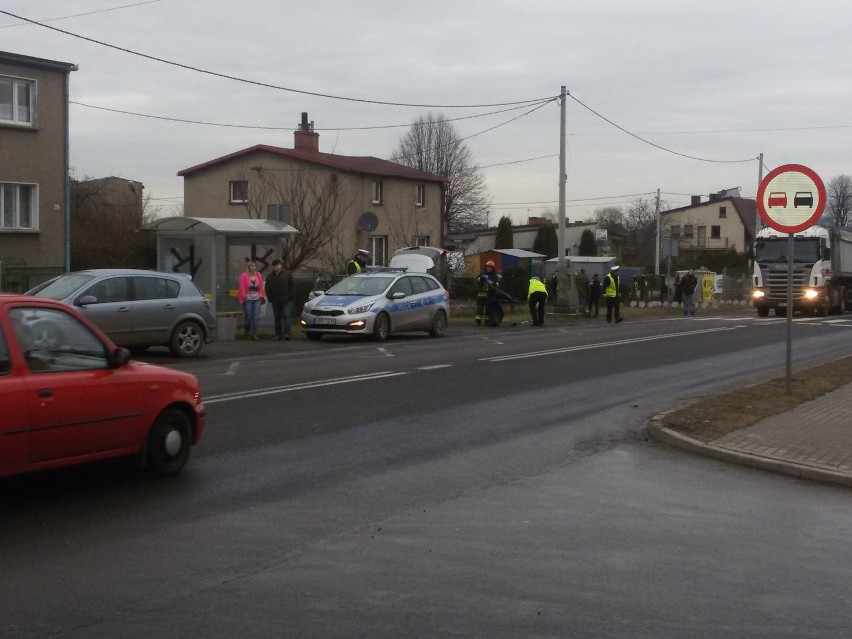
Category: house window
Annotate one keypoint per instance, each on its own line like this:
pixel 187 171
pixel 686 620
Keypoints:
pixel 18 207
pixel 723 212
pixel 16 101
pixel 675 232
pixel 379 250
pixel 419 240
pixel 687 230
pixel 377 191
pixel 420 195
pixel 239 191
pixel 716 232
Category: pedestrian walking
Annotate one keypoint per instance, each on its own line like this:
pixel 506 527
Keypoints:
pixel 610 286
pixel 687 291
pixel 251 294
pixel 280 288
pixel 595 292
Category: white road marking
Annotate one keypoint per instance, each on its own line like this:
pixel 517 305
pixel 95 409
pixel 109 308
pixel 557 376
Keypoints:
pixel 232 369
pixel 431 368
pixel 585 347
pixel 227 397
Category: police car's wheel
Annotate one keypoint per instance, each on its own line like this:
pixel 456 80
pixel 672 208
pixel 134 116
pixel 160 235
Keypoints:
pixel 381 327
pixel 439 324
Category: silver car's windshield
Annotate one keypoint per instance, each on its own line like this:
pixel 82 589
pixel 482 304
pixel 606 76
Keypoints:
pixel 360 286
pixel 62 286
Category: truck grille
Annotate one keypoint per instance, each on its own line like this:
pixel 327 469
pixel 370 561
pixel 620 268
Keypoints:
pixel 776 283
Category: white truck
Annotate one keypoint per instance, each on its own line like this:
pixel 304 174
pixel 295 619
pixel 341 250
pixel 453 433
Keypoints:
pixel 822 271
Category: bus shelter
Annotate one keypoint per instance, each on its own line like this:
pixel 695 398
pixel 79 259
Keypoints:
pixel 215 251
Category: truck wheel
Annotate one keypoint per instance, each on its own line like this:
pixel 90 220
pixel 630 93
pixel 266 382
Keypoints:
pixel 763 311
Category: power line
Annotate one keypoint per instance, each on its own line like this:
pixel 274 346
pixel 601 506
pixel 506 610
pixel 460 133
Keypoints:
pixel 769 130
pixel 281 128
pixel 273 86
pixel 77 15
pixel 662 148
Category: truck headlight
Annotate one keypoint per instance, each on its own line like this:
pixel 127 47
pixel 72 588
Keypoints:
pixel 758 294
pixel 810 294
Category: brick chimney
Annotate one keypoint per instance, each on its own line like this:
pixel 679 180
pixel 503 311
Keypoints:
pixel 304 137
pixel 696 200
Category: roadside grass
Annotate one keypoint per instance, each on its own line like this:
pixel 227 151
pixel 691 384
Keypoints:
pixel 712 417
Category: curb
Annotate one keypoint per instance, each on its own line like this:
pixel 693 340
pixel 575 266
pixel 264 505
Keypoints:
pixel 665 435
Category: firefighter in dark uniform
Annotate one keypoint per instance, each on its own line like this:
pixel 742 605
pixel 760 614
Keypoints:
pixel 357 263
pixel 486 283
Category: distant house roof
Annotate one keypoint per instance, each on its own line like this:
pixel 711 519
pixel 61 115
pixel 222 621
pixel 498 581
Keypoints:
pixel 364 165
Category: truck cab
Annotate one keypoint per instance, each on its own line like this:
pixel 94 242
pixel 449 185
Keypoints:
pixel 820 279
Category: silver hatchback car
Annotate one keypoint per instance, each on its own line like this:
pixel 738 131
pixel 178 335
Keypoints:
pixel 378 302
pixel 138 309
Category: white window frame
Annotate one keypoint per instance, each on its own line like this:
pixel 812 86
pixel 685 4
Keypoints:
pixel 420 195
pixel 378 247
pixel 377 191
pixel 17 119
pixel 419 240
pixel 10 192
pixel 231 195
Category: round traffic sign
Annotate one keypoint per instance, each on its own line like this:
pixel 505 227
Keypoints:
pixel 791 198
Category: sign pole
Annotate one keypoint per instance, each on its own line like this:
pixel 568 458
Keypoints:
pixel 790 199
pixel 789 312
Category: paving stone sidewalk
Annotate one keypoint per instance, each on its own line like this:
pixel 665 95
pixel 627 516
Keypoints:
pixel 812 441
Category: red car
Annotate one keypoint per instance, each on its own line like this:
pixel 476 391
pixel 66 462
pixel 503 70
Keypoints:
pixel 777 198
pixel 68 395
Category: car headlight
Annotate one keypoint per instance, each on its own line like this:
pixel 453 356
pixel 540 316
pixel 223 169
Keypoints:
pixel 361 309
pixel 811 294
pixel 758 294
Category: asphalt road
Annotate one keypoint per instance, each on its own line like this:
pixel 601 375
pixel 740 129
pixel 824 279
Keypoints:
pixel 492 483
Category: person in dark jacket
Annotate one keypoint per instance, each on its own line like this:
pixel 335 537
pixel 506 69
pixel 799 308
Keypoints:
pixel 595 292
pixel 279 291
pixel 687 290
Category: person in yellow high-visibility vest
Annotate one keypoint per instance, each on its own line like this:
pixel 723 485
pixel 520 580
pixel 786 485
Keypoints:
pixel 537 296
pixel 610 286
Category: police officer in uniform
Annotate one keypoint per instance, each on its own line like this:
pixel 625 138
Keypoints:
pixel 610 285
pixel 537 296
pixel 357 263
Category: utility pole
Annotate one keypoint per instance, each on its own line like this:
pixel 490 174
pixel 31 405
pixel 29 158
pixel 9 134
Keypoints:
pixel 561 274
pixel 758 223
pixel 657 243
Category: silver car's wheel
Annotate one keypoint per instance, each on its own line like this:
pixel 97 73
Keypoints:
pixel 439 324
pixel 169 442
pixel 187 339
pixel 381 329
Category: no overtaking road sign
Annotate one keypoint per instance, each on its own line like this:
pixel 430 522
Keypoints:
pixel 791 198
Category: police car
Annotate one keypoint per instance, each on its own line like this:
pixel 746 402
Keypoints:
pixel 378 302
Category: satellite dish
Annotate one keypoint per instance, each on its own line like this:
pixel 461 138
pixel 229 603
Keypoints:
pixel 368 222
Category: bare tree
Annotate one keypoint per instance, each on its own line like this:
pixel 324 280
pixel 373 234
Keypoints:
pixel 432 144
pixel 317 201
pixel 839 199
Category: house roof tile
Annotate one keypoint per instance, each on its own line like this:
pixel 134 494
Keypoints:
pixel 364 165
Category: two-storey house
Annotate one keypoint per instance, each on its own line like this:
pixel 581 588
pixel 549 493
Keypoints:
pixel 338 203
pixel 724 222
pixel 34 205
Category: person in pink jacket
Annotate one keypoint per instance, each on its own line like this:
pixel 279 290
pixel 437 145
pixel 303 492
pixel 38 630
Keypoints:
pixel 251 295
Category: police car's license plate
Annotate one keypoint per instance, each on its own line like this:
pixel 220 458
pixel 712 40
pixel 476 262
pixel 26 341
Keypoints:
pixel 324 320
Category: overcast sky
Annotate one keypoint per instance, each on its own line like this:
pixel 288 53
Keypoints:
pixel 719 81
